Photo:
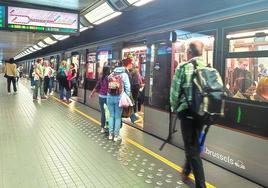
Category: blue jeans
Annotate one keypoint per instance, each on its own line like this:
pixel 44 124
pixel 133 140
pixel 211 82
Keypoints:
pixel 51 84
pixel 39 84
pixel 32 81
pixel 115 114
pixel 102 101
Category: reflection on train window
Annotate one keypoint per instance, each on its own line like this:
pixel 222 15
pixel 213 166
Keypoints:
pixel 91 66
pixel 138 56
pixel 247 78
pixel 249 40
pixel 103 58
pixel 81 72
pixel 75 60
pixel 68 63
pixel 178 47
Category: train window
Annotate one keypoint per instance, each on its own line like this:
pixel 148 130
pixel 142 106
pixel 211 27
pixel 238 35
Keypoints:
pixel 81 72
pixel 138 55
pixel 248 40
pixel 247 78
pixel 91 66
pixel 178 48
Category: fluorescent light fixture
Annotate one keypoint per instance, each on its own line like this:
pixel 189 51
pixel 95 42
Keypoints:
pixel 48 40
pixel 41 44
pixel 83 29
pixel 132 1
pixel 32 49
pixel 37 47
pixel 29 51
pixel 100 12
pixel 61 37
pixel 142 2
pixel 113 15
pixel 245 34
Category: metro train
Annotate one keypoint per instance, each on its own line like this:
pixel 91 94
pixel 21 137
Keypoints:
pixel 239 140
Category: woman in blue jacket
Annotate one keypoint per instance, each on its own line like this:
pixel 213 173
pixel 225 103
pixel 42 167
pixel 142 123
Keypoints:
pixel 113 101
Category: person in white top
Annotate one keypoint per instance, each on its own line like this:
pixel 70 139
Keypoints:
pixel 47 75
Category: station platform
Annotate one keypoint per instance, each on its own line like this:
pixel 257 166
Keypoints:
pixel 47 144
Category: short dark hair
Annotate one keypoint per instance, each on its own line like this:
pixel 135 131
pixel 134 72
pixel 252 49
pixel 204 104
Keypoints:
pixel 11 60
pixel 195 48
pixel 38 60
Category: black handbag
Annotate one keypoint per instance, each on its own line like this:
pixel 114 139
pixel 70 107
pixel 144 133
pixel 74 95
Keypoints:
pixel 5 76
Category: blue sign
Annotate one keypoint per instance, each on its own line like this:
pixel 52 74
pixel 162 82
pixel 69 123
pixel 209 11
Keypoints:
pixel 2 16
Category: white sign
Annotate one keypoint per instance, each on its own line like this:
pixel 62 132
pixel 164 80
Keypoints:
pixel 35 17
pixel 226 159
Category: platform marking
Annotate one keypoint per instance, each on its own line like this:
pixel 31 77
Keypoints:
pixel 144 149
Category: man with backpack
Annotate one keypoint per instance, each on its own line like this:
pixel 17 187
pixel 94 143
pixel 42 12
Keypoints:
pixel 191 126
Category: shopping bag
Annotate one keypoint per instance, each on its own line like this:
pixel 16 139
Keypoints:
pixel 125 101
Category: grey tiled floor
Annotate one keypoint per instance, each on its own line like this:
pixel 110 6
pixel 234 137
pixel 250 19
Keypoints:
pixel 44 144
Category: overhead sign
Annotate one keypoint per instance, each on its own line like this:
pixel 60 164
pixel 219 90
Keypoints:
pixel 2 16
pixel 42 20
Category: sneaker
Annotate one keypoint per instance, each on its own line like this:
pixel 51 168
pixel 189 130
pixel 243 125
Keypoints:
pixel 15 93
pixel 44 98
pixel 185 175
pixel 110 136
pixel 51 93
pixel 9 93
pixel 102 130
pixel 68 101
pixel 116 138
pixel 34 98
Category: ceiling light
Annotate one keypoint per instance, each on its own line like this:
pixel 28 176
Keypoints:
pixel 132 1
pixel 48 40
pixel 41 44
pixel 29 51
pixel 37 47
pixel 100 12
pixel 113 15
pixel 61 37
pixel 83 29
pixel 32 49
pixel 141 2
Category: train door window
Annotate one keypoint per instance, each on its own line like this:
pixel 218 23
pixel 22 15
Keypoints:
pixel 178 48
pixel 246 67
pixel 138 55
pixel 91 66
pixel 75 60
pixel 103 59
pixel 68 62
pixel 82 71
pixel 159 82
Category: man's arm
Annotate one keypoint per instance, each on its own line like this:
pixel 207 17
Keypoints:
pixel 175 89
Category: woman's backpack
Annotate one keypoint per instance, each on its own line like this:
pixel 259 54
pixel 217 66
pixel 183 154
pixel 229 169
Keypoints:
pixel 115 83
